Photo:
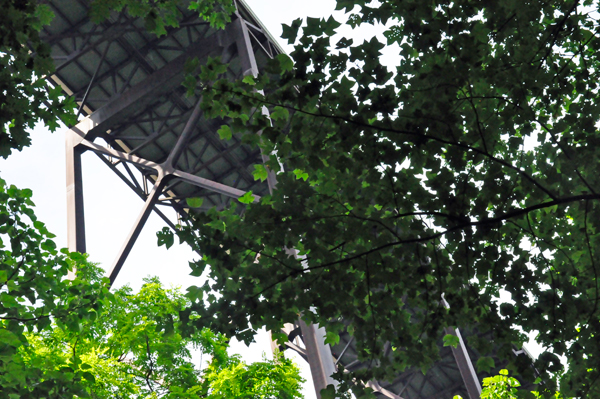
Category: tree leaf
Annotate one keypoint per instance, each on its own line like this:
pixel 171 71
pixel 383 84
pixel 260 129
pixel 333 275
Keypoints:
pixel 195 202
pixel 247 198
pixel 451 340
pixel 224 132
pixel 260 172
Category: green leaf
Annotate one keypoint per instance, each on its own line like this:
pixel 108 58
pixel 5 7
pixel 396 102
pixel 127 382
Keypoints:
pixel 247 198
pixel 328 393
pixel 260 172
pixel 48 245
pixel 26 193
pixel 217 224
pixel 285 62
pixel 485 364
pixel 165 237
pixel 9 338
pixel 224 132
pixel 89 376
pixel 249 79
pixel 300 174
pixel 77 257
pixel 451 340
pixel 280 113
pixel 44 14
pixel 195 202
pixel 332 338
pixel 290 32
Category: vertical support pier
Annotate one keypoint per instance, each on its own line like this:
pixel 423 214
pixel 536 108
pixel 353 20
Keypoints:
pixel 75 214
pixel 465 366
pixel 319 356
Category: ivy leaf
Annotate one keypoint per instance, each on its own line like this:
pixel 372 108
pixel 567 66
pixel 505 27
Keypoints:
pixel 194 202
pixel 224 132
pixel 247 198
pixel 451 340
pixel 328 393
pixel 332 338
pixel 300 174
pixel 280 113
pixel 260 172
pixel 165 237
pixel 485 364
pixel 285 62
pixel 290 32
pixel 249 79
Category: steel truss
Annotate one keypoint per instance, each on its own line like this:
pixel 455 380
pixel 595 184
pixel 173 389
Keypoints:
pixel 135 116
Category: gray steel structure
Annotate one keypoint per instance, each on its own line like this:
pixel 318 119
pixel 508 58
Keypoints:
pixel 136 117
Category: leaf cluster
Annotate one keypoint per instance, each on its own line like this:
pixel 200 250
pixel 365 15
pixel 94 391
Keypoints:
pixel 135 349
pixel 25 96
pixel 34 293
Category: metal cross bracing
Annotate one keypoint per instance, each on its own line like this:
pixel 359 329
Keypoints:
pixel 129 85
pixel 135 116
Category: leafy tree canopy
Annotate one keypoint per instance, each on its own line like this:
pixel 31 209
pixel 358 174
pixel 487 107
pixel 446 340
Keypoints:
pixel 35 292
pixel 502 386
pixel 134 349
pixel 66 338
pixel 467 170
pixel 25 97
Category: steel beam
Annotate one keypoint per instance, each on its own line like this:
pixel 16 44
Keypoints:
pixel 136 230
pixel 139 191
pixel 465 366
pixel 136 98
pixel 319 356
pixel 123 156
pixel 160 168
pixel 211 185
pixel 184 138
pixel 374 385
pixel 75 214
pixel 244 46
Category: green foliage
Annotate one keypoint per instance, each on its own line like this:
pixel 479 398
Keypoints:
pixel 25 96
pixel 464 170
pixel 451 340
pixel 502 386
pixel 34 293
pixel 69 338
pixel 260 172
pixel 485 364
pixel 266 379
pixel 194 202
pixel 135 349
pixel 160 15
pixel 224 132
pixel 247 198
